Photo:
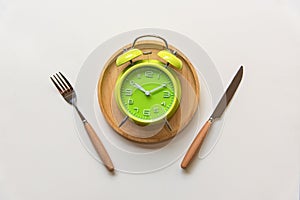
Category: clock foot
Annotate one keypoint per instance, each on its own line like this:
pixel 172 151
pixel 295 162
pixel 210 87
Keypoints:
pixel 123 121
pixel 168 124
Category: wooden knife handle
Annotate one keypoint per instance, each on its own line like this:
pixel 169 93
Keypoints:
pixel 99 147
pixel 195 146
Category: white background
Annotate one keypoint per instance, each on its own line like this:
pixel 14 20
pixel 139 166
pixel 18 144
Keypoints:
pixel 257 156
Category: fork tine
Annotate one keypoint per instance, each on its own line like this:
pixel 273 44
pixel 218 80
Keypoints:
pixel 66 80
pixel 56 85
pixel 62 81
pixel 60 84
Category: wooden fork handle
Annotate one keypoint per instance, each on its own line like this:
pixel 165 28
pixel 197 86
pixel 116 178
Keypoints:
pixel 195 146
pixel 99 146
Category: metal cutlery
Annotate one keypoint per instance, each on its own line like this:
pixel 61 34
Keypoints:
pixel 68 93
pixel 220 108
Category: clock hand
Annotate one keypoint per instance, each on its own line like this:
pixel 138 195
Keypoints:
pixel 158 88
pixel 147 93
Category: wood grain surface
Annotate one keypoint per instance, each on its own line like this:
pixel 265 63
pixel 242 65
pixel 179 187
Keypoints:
pixel 196 145
pixel 154 133
pixel 99 147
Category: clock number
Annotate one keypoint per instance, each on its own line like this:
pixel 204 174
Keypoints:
pixel 139 76
pixel 146 112
pixel 128 92
pixel 167 94
pixel 163 103
pixel 130 101
pixel 136 109
pixel 149 74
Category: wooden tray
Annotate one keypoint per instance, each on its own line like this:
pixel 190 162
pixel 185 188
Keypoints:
pixel 188 105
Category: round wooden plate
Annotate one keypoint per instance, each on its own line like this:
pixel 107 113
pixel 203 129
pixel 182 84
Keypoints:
pixel 153 133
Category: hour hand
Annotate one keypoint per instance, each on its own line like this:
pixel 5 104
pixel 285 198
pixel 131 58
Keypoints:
pixel 147 93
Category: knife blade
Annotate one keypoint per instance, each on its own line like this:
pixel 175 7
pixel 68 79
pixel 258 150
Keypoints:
pixel 217 113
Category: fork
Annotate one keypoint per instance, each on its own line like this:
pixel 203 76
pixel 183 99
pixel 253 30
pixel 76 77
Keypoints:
pixel 68 93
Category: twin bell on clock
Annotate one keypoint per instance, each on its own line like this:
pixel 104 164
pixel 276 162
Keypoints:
pixel 148 90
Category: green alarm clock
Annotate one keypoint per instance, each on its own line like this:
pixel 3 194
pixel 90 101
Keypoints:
pixel 148 91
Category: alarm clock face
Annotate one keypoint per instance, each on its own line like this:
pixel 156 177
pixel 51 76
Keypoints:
pixel 147 92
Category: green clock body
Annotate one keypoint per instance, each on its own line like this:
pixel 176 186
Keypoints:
pixel 148 92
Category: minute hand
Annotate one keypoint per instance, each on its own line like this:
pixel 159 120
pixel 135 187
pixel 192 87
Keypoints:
pixel 158 88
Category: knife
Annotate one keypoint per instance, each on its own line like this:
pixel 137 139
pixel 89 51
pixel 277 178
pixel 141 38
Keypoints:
pixel 223 103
